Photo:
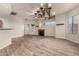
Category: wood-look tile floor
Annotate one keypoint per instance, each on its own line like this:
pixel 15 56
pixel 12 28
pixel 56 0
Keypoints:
pixel 40 46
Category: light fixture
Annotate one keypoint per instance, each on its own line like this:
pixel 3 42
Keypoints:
pixel 37 8
pixel 44 11
pixel 41 4
pixel 13 13
pixel 49 5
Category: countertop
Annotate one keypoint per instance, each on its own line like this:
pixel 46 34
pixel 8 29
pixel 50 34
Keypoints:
pixel 5 28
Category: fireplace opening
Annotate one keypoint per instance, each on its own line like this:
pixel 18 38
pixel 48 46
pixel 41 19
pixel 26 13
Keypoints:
pixel 41 32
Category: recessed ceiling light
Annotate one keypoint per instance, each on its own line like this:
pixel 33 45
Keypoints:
pixel 49 4
pixel 37 9
pixel 41 4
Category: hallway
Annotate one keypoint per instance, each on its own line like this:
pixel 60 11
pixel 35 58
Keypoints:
pixel 40 46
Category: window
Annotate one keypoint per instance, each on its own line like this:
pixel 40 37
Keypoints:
pixel 73 24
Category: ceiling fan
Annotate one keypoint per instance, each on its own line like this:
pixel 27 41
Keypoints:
pixel 13 13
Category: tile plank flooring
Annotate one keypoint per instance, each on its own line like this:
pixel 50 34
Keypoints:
pixel 40 46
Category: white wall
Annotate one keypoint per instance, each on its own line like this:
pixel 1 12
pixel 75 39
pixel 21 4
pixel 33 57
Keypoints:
pixel 49 28
pixel 5 35
pixel 5 9
pixel 72 37
pixel 5 38
pixel 14 22
pixel 60 30
pixel 17 24
pixel 29 30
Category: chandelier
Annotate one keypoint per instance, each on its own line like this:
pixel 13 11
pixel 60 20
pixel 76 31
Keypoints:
pixel 44 11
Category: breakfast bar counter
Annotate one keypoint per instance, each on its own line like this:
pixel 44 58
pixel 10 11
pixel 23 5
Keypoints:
pixel 5 37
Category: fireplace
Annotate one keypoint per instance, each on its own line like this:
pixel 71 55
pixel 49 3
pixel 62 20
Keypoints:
pixel 41 32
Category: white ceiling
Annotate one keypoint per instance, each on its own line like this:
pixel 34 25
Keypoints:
pixel 57 7
pixel 24 9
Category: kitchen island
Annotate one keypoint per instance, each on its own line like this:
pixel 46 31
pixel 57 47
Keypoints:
pixel 5 37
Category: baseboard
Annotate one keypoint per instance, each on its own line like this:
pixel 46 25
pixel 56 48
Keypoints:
pixel 60 38
pixel 38 35
pixel 29 35
pixel 17 37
